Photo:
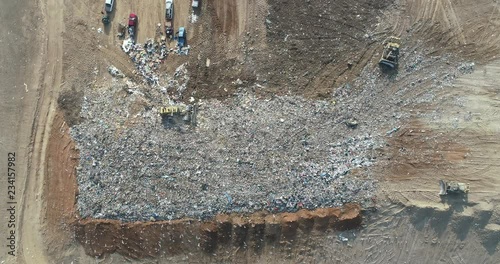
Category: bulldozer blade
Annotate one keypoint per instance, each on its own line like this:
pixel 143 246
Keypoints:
pixel 442 186
pixel 387 64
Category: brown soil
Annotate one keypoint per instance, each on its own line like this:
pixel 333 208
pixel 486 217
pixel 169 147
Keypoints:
pixel 152 239
pixel 302 49
pixel 61 188
pixel 416 148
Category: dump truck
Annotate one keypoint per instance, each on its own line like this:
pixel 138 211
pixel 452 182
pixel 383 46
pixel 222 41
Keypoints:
pixel 453 188
pixel 390 55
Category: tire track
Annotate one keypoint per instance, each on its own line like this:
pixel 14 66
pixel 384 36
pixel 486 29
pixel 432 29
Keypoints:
pixel 31 242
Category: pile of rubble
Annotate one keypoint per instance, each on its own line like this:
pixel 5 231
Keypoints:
pixel 246 154
pixel 147 57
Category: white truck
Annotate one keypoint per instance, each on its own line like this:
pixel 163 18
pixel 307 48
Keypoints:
pixel 169 10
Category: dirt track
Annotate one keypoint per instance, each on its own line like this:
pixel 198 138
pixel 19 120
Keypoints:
pixel 18 95
pixel 455 138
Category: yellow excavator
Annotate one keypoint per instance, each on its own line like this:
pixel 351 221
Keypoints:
pixel 390 55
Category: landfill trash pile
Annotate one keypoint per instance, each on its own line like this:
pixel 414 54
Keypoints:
pixel 147 57
pixel 178 82
pixel 246 154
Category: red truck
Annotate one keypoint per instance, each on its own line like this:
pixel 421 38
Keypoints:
pixel 132 24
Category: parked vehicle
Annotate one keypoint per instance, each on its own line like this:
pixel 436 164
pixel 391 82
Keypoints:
pixel 132 25
pixel 169 30
pixel 195 3
pixel 181 37
pixel 108 5
pixel 169 9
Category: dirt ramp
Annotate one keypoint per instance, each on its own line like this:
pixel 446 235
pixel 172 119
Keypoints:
pixel 153 239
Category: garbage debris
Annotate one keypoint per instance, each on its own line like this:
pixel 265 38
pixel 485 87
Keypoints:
pixel 115 72
pixel 147 57
pixel 352 123
pixel 245 154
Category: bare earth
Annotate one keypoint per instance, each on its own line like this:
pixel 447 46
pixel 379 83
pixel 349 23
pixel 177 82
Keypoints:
pixel 452 135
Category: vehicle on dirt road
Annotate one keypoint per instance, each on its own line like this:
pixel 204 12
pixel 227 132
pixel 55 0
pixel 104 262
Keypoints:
pixel 195 3
pixel 132 25
pixel 181 37
pixel 108 5
pixel 453 188
pixel 390 55
pixel 169 9
pixel 105 19
pixel 169 30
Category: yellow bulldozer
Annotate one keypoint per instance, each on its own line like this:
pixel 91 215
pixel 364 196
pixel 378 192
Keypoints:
pixel 174 115
pixel 447 187
pixel 390 55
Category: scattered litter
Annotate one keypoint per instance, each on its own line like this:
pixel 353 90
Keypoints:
pixel 351 123
pixel 147 57
pixel 115 72
pixel 394 130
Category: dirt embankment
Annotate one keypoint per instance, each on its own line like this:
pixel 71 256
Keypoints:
pixel 61 187
pixel 151 239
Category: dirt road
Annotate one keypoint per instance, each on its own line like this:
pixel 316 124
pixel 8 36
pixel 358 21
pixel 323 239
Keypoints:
pixel 19 93
pixel 32 91
pixel 31 240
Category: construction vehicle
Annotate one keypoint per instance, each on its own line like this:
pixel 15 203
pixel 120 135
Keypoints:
pixel 176 114
pixel 453 188
pixel 390 55
pixel 171 110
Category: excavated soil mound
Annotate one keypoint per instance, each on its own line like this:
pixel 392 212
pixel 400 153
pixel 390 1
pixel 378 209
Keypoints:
pixel 152 239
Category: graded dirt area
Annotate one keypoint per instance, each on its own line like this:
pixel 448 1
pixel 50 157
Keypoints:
pixel 442 106
pixel 19 96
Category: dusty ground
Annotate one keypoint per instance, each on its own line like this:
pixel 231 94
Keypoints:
pixel 19 93
pixel 454 135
